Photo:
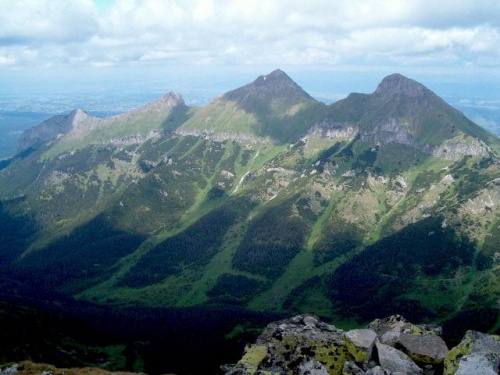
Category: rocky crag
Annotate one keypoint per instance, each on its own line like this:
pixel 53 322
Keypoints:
pixel 304 345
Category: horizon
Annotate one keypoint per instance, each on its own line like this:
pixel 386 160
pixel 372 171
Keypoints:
pixel 112 56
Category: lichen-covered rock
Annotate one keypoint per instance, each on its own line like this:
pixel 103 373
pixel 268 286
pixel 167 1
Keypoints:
pixel 287 347
pixel 360 343
pixel 395 361
pixel 312 368
pixel 390 329
pixel 423 348
pixel 477 350
pixel 303 345
pixel 479 363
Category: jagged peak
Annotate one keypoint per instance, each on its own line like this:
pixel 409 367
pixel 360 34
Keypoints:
pixel 399 84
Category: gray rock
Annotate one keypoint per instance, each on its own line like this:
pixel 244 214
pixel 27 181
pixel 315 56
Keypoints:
pixel 13 369
pixel 476 350
pixel 423 348
pixel 350 368
pixel 377 371
pixel 302 344
pixel 312 368
pixel 393 360
pixel 482 342
pixel 479 363
pixel 360 344
pixel 389 329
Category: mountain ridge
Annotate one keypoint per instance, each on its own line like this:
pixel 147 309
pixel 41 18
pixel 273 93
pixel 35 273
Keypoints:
pixel 78 124
pixel 377 204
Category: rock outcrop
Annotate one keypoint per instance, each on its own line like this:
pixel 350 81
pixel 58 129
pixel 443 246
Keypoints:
pixel 51 129
pixel 304 345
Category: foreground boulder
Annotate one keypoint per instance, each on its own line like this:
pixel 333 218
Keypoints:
pixel 304 345
pixel 478 353
pixel 423 348
pixel 394 361
pixel 360 343
pixel 300 345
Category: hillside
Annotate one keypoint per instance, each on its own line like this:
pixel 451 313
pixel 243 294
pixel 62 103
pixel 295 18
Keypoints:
pixel 265 199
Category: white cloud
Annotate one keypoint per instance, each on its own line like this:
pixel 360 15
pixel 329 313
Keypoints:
pixel 280 32
pixel 52 21
pixel 7 60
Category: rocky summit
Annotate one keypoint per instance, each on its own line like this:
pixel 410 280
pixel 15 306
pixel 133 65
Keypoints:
pixel 304 345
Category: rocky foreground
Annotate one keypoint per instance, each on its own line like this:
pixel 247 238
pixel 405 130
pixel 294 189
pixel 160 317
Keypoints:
pixel 304 345
pixel 30 368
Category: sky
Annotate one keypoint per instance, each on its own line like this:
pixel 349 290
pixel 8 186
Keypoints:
pixel 85 44
pixel 463 34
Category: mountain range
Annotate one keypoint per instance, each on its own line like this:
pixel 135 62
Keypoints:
pixel 266 199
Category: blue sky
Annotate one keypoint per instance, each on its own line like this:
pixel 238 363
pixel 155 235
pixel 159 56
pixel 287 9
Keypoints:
pixel 104 5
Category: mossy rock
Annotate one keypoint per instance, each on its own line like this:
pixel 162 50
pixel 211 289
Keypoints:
pixel 473 343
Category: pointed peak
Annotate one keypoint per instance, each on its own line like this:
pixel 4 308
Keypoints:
pixel 399 84
pixel 77 112
pixel 276 84
pixel 277 75
pixel 166 102
pixel 172 99
pixel 77 115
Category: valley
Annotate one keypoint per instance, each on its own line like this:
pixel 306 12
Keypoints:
pixel 264 203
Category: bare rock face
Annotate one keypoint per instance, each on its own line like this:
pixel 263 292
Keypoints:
pixel 389 132
pixel 51 129
pixel 331 130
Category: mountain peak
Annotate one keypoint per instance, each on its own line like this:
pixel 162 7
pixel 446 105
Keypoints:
pixel 276 84
pixel 172 99
pixel 399 84
pixel 166 102
pixel 76 116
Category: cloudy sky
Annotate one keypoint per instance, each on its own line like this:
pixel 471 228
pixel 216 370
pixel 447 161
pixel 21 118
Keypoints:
pixel 323 33
pixel 86 43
